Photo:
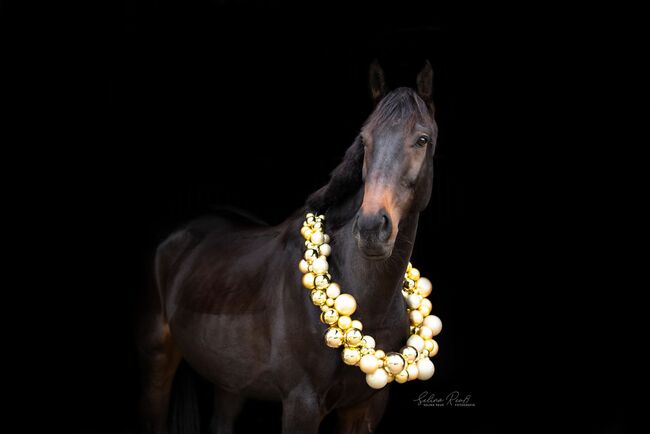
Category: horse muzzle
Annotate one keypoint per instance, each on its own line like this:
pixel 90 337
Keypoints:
pixel 373 232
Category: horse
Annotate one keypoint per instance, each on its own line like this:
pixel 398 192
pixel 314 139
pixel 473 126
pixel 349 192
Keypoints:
pixel 228 297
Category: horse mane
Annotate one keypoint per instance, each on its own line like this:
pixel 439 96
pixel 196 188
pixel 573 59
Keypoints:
pixel 345 180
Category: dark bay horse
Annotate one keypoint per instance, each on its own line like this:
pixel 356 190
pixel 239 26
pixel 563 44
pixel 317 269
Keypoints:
pixel 229 296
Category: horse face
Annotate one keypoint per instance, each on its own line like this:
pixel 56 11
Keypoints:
pixel 399 141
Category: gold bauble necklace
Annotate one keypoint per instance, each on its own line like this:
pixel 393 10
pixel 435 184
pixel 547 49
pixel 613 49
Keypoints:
pixel 412 361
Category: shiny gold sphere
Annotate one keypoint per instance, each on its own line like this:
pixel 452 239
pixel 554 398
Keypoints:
pixel 366 350
pixel 351 356
pixel 318 297
pixel 321 281
pixel 425 332
pixel 325 249
pixel 330 302
pixel 402 377
pixel 311 255
pixel 330 316
pixel 425 307
pixel 395 363
pixel 308 280
pixel 318 226
pixel 413 301
pixel 333 290
pixel 357 324
pixel 345 304
pixel 310 219
pixel 317 238
pixel 416 317
pixel 380 354
pixel 368 341
pixel 409 285
pixel 306 232
pixel 326 238
pixel 434 347
pixel 409 353
pixel 344 322
pixel 303 266
pixel 321 217
pixel 353 337
pixel 414 273
pixel 333 337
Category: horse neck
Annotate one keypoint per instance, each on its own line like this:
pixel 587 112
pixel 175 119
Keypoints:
pixel 376 285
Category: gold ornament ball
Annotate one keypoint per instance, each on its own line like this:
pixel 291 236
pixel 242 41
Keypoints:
pixel 330 316
pixel 425 332
pixel 413 301
pixel 326 239
pixel 303 266
pixel 380 355
pixel 317 238
pixel 345 304
pixel 306 232
pixel 357 324
pixel 416 342
pixel 318 297
pixel 318 226
pixel 425 369
pixel 432 346
pixel 377 379
pixel 368 341
pixel 368 364
pixel 351 356
pixel 424 287
pixel 425 307
pixel 325 249
pixel 416 317
pixel 345 322
pixel 334 337
pixel 321 281
pixel 320 265
pixel 311 255
pixel 434 323
pixel 330 302
pixel 308 280
pixel 409 285
pixel 353 337
pixel 395 363
pixel 409 353
pixel 414 273
pixel 334 290
pixel 402 377
pixel 412 370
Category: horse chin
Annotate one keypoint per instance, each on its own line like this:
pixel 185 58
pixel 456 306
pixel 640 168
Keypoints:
pixel 375 252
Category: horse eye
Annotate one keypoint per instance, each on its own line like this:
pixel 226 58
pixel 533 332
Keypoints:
pixel 423 140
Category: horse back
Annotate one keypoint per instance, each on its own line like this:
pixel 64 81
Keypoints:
pixel 206 265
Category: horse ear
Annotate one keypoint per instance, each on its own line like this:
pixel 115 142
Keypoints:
pixel 425 84
pixel 377 82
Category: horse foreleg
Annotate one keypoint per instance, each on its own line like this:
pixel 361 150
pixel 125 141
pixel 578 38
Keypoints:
pixel 301 412
pixel 364 417
pixel 227 407
pixel 159 361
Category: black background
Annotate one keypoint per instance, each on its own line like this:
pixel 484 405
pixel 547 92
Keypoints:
pixel 154 111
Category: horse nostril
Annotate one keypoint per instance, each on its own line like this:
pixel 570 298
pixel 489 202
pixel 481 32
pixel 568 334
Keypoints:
pixel 384 220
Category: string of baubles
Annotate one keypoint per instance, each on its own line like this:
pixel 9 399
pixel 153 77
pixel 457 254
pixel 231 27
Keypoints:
pixel 412 361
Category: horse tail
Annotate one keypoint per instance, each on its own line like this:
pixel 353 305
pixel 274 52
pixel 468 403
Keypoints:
pixel 185 417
